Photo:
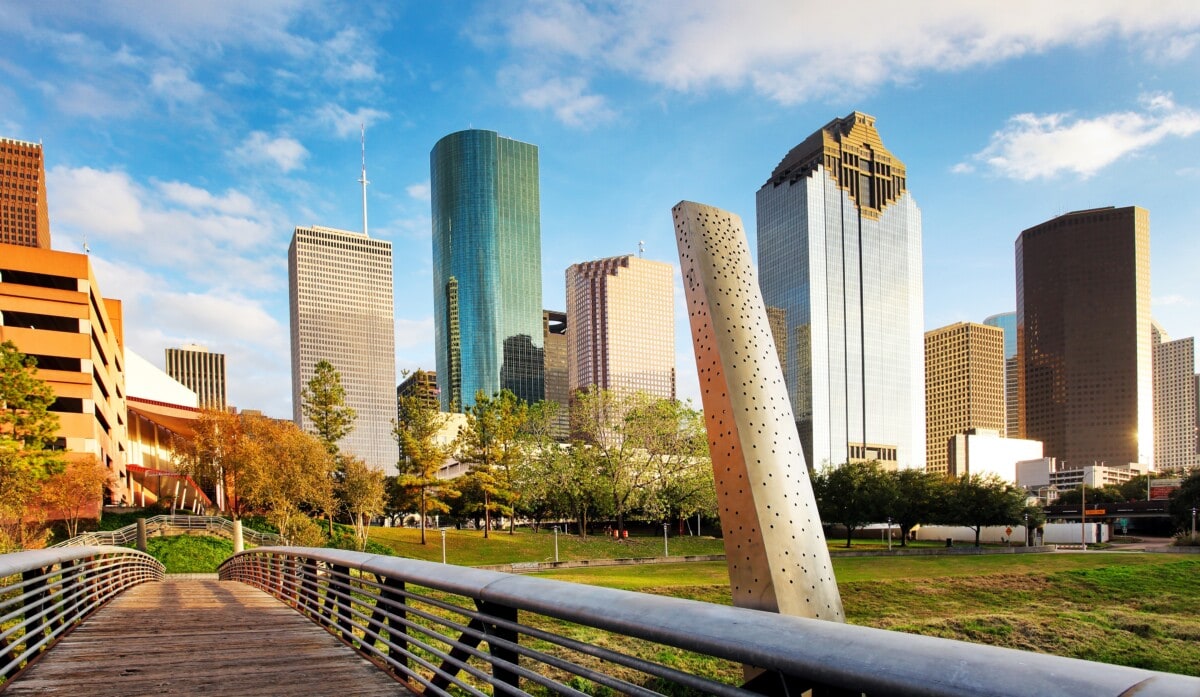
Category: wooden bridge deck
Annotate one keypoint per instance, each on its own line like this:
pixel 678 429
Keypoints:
pixel 201 637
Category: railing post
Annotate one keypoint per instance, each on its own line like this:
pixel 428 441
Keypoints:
pixel 339 579
pixel 391 603
pixel 308 586
pixel 238 544
pixel 509 614
pixel 141 534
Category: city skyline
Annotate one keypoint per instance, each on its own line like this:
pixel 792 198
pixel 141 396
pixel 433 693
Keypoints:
pixel 185 162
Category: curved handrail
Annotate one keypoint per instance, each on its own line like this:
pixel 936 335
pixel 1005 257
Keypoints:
pixel 427 638
pixel 44 593
pixel 168 523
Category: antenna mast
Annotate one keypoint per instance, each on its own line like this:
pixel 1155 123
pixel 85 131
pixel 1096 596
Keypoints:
pixel 641 248
pixel 363 179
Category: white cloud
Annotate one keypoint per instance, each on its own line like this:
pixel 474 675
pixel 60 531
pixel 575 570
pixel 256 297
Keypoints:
pixel 792 51
pixel 345 123
pixel 231 202
pixel 567 98
pixel 962 168
pixel 412 333
pixel 105 202
pixel 419 191
pixel 174 85
pixel 285 152
pixel 81 99
pixel 1034 146
pixel 1169 300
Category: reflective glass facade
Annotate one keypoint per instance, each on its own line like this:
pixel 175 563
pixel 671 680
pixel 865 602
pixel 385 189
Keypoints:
pixel 487 258
pixel 839 253
pixel 1008 322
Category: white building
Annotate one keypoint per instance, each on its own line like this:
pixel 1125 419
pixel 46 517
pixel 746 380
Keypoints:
pixel 1045 476
pixel 984 452
pixel 1174 401
pixel 342 311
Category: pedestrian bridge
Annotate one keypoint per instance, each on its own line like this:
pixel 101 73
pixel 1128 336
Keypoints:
pixel 106 620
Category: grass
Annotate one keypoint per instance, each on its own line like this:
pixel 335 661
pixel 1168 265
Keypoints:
pixel 1127 609
pixel 190 554
pixel 468 548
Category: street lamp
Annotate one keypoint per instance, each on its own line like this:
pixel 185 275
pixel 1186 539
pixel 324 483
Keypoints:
pixel 555 543
pixel 1026 529
pixel 1193 525
pixel 666 552
pixel 889 533
pixel 443 531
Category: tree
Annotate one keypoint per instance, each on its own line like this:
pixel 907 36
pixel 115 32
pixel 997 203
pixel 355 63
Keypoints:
pixel 324 405
pixel 492 443
pixel 853 495
pixel 213 456
pixel 977 501
pixel 75 492
pixel 361 492
pixel 418 428
pixel 676 443
pixel 1184 499
pixel 284 471
pixel 27 430
pixel 919 497
pixel 1105 494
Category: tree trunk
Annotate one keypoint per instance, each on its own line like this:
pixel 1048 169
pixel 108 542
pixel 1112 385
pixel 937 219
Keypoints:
pixel 977 531
pixel 849 535
pixel 904 535
pixel 487 514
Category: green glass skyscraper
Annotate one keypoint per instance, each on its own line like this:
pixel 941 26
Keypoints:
pixel 487 267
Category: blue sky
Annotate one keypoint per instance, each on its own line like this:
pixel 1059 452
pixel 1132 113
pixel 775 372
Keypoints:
pixel 186 140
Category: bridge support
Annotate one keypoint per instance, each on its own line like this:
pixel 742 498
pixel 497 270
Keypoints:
pixel 141 534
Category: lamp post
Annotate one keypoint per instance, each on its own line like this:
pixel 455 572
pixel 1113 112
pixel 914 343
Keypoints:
pixel 1026 529
pixel 443 531
pixel 555 543
pixel 889 533
pixel 666 552
pixel 1193 525
pixel 1083 513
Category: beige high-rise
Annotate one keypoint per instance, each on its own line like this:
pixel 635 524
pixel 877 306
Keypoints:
pixel 964 386
pixel 1083 336
pixel 202 371
pixel 1174 401
pixel 622 326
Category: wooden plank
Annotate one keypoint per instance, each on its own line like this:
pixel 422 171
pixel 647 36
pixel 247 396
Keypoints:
pixel 201 637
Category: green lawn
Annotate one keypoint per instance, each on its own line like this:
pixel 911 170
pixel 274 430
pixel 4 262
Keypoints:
pixel 1129 609
pixel 190 554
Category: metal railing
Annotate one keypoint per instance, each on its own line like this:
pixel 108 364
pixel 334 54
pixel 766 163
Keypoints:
pixel 45 592
pixel 172 525
pixel 425 622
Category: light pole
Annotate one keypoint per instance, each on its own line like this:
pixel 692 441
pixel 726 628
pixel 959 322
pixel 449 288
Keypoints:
pixel 1193 525
pixel 666 552
pixel 443 531
pixel 1026 529
pixel 1083 514
pixel 889 533
pixel 555 543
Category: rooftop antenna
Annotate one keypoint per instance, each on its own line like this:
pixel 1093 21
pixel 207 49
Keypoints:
pixel 86 248
pixel 363 179
pixel 641 248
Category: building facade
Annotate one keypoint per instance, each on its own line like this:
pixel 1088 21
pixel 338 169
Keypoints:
pixel 1007 321
pixel 1084 344
pixel 554 338
pixel 964 386
pixel 980 452
pixel 1174 401
pixel 623 326
pixel 24 213
pixel 201 371
pixel 52 309
pixel 839 255
pixel 340 290
pixel 487 267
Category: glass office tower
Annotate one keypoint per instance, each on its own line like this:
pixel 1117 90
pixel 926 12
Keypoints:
pixel 487 267
pixel 839 256
pixel 1008 322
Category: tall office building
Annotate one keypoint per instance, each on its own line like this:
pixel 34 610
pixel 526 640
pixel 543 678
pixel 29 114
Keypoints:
pixel 487 267
pixel 839 254
pixel 1007 321
pixel 964 386
pixel 340 287
pixel 1174 401
pixel 200 371
pixel 1083 336
pixel 622 313
pixel 24 215
pixel 554 337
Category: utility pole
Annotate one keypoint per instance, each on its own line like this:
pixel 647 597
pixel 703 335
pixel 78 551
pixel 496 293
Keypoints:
pixel 1083 513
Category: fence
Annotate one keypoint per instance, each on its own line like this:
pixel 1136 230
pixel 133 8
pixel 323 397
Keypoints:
pixel 425 623
pixel 45 592
pixel 172 525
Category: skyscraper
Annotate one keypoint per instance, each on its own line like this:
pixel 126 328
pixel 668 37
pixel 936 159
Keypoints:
pixel 623 326
pixel 964 386
pixel 1174 401
pixel 487 267
pixel 1083 336
pixel 839 253
pixel 200 371
pixel 554 336
pixel 1008 322
pixel 24 215
pixel 340 286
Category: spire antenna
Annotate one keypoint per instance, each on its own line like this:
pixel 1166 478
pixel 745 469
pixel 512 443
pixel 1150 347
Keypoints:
pixel 363 179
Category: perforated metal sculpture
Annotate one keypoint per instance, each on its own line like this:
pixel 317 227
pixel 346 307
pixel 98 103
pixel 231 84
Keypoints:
pixel 774 544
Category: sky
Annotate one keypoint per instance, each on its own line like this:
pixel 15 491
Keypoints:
pixel 185 141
